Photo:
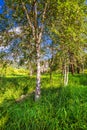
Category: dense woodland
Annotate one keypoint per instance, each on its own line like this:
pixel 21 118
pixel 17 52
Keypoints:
pixel 43 65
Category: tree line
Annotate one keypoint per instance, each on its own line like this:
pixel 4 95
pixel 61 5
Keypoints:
pixel 63 21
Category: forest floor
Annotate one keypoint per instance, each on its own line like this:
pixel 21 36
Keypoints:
pixel 59 108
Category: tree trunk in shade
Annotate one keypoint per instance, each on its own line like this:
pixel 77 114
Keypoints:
pixel 72 69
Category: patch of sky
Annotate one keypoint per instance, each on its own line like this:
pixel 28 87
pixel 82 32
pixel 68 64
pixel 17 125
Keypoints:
pixel 46 43
pixel 86 1
pixel 8 49
pixel 1 6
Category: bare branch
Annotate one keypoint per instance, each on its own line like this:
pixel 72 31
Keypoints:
pixel 28 17
pixel 35 19
pixel 44 13
pixel 43 19
pixel 35 11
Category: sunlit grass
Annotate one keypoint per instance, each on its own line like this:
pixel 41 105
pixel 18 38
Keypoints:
pixel 58 108
pixel 3 120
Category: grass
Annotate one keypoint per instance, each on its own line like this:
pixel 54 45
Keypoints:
pixel 59 108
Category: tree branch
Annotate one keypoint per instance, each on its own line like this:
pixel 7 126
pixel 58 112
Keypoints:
pixel 43 19
pixel 35 19
pixel 44 13
pixel 28 17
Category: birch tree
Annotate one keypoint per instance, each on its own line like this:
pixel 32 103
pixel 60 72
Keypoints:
pixel 33 14
pixel 69 28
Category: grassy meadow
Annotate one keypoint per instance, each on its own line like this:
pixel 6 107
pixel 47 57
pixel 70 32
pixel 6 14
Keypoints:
pixel 59 108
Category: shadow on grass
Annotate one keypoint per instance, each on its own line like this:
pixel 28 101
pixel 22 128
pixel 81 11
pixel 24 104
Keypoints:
pixel 17 82
pixel 13 87
pixel 81 78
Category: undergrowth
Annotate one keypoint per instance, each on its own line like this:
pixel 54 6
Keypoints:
pixel 59 108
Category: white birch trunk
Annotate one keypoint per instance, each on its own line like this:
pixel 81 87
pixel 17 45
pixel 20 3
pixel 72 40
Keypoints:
pixel 30 69
pixel 38 79
pixel 37 34
pixel 65 75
